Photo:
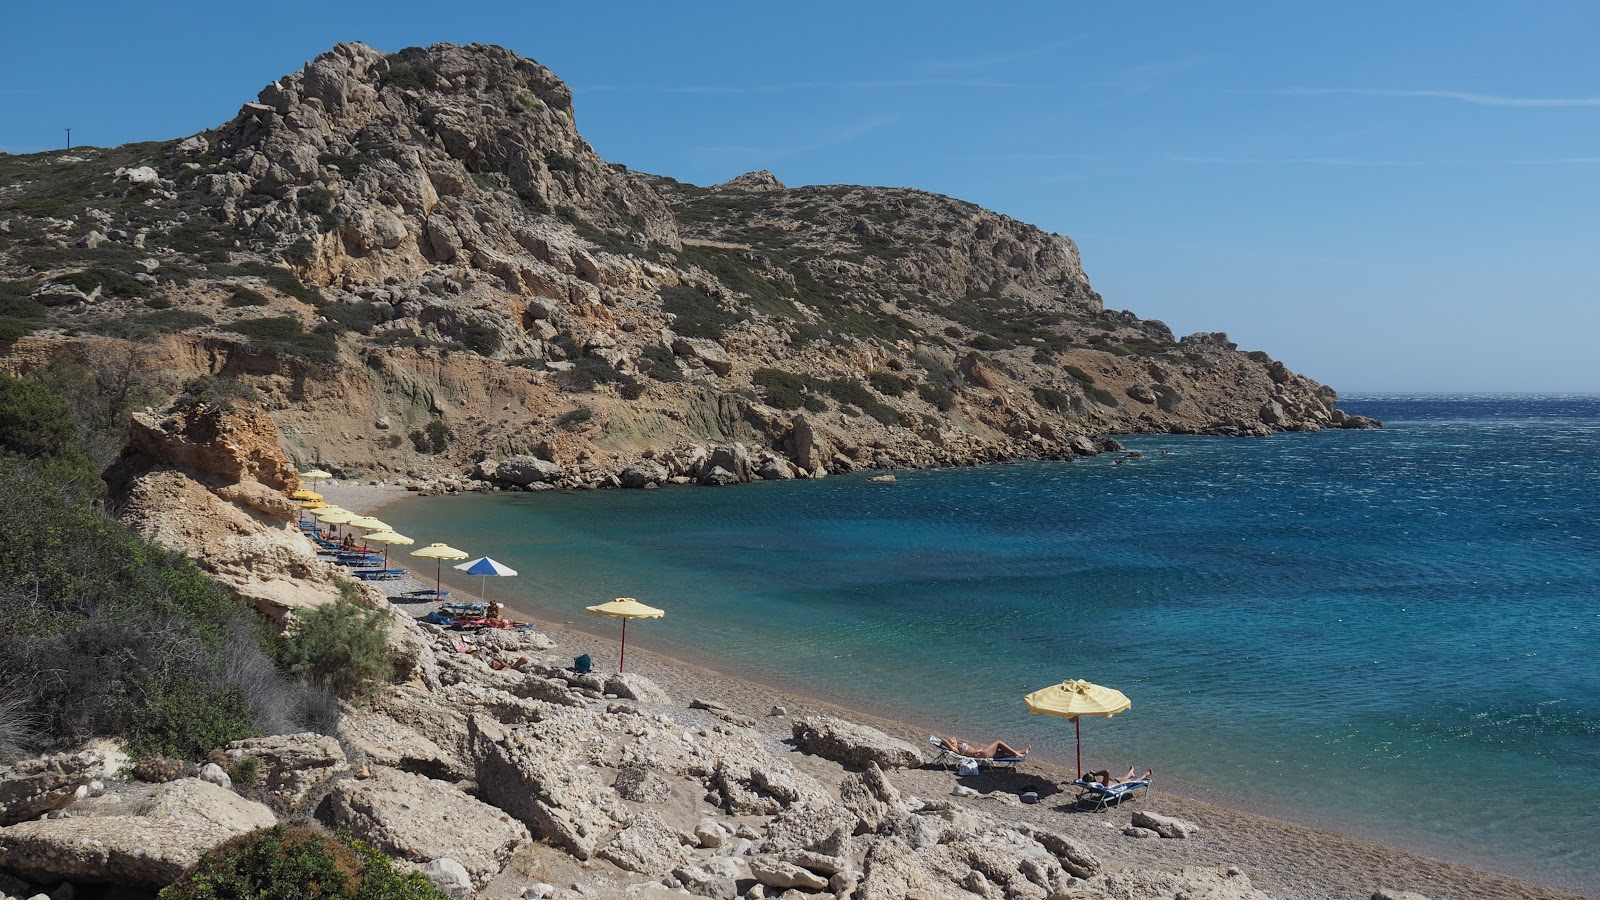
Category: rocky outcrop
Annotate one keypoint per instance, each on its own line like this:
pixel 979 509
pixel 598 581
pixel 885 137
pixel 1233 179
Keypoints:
pixel 421 820
pixel 33 787
pixel 293 767
pixel 152 842
pixel 852 744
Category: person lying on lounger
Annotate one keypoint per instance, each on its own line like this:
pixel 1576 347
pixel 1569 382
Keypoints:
pixel 996 750
pixel 1103 777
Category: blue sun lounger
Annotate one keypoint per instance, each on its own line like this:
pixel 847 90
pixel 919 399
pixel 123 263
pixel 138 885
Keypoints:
pixel 1099 798
pixel 956 760
pixel 380 574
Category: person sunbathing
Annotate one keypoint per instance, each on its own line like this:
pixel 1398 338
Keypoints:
pixel 1103 777
pixel 996 750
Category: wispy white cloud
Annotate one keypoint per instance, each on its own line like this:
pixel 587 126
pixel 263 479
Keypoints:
pixel 990 61
pixel 879 84
pixel 1145 77
pixel 1457 96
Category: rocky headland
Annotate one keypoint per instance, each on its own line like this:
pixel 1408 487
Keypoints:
pixel 421 269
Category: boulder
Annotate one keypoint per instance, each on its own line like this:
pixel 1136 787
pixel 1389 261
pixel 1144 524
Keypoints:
pixel 1075 857
pixel 160 837
pixel 871 797
pixel 385 742
pixel 823 829
pixel 216 775
pixel 852 744
pixel 732 458
pixel 449 876
pixel 723 713
pixel 775 873
pixel 1166 826
pixel 716 476
pixel 706 351
pixel 646 846
pixel 630 686
pixel 641 785
pixel 643 473
pixel 530 773
pixel 419 819
pixel 33 787
pixel 523 470
pixel 292 765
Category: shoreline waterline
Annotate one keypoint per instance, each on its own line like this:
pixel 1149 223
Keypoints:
pixel 571 621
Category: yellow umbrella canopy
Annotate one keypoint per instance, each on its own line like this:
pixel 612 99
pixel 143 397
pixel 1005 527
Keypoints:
pixel 626 608
pixel 389 537
pixel 1073 699
pixel 327 509
pixel 305 494
pixel 439 552
pixel 315 473
pixel 386 538
pixel 337 517
pixel 370 523
pixel 313 504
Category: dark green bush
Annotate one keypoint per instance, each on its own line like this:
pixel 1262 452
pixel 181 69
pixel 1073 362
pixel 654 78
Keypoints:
pixel 588 372
pixel 889 384
pixel 219 393
pixel 161 321
pixel 698 314
pixel 663 364
pixel 480 337
pixel 285 336
pixel 283 863
pixel 573 418
pixel 854 393
pixel 360 317
pixel 938 395
pixel 431 438
pixel 341 646
pixel 1050 398
pixel 987 343
pixel 785 390
pixel 409 72
pixel 243 296
pixel 33 421
pixel 1080 376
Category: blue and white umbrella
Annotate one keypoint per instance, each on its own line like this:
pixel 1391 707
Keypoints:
pixel 485 566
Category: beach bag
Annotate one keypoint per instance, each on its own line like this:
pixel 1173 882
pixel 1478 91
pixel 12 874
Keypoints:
pixel 583 665
pixel 967 767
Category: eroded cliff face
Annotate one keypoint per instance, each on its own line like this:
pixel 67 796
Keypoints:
pixel 420 267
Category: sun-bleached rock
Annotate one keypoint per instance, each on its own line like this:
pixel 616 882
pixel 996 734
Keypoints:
pixel 1166 826
pixel 152 843
pixel 31 787
pixel 852 744
pixel 646 846
pixel 292 766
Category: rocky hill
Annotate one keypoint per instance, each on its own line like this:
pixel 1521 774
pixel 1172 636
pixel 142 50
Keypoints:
pixel 416 263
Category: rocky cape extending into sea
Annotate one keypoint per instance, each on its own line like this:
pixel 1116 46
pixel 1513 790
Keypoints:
pixel 420 268
pixel 526 779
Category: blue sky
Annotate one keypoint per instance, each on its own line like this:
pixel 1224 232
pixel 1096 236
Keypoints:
pixel 1387 196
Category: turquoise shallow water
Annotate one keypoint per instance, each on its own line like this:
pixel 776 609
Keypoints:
pixel 1392 633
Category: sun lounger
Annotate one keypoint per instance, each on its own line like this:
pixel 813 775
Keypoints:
pixel 381 574
pixel 956 760
pixel 464 609
pixel 428 592
pixel 1098 797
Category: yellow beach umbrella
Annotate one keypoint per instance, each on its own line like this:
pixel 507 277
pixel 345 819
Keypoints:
pixel 314 474
pixel 336 517
pixel 439 553
pixel 1073 699
pixel 305 494
pixel 369 523
pixel 386 538
pixel 626 608
pixel 313 504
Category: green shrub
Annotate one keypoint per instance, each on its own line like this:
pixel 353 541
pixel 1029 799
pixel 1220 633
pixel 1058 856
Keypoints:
pixel 431 438
pixel 161 321
pixel 409 70
pixel 243 296
pixel 938 395
pixel 33 421
pixel 698 314
pixel 573 418
pixel 245 771
pixel 785 390
pixel 341 646
pixel 889 385
pixel 285 336
pixel 1080 376
pixel 952 331
pixel 219 393
pixel 986 343
pixel 588 372
pixel 360 317
pixel 480 337
pixel 663 364
pixel 281 863
pixel 1050 398
pixel 852 392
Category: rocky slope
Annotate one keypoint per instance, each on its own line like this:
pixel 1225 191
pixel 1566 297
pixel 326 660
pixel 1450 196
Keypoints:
pixel 420 266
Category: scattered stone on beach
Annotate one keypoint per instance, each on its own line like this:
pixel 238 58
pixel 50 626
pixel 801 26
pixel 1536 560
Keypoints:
pixel 852 744
pixel 216 775
pixel 722 712
pixel 775 873
pixel 1390 894
pixel 1166 826
pixel 1134 831
pixel 641 785
pixel 632 686
pixel 646 846
pixel 778 711
pixel 449 876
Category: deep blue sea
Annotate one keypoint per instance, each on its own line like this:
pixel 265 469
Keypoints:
pixel 1390 633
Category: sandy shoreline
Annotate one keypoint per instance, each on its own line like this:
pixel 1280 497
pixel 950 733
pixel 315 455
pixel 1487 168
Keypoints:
pixel 1282 858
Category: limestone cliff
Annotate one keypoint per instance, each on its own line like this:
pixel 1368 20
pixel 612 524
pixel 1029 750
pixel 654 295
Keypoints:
pixel 419 266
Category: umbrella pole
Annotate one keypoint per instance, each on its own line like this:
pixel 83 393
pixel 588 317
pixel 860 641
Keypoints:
pixel 438 579
pixel 1077 728
pixel 623 657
